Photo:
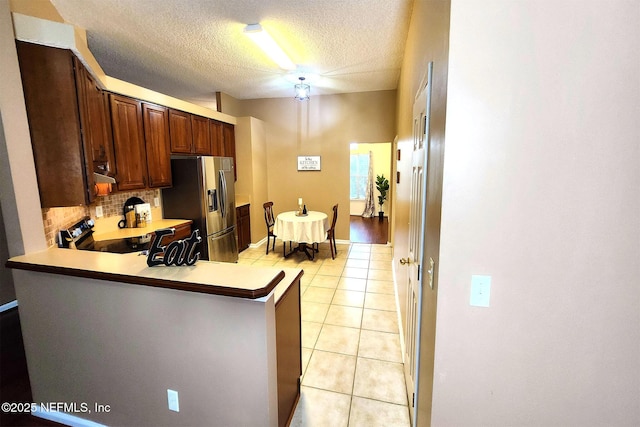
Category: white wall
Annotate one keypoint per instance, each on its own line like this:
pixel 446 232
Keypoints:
pixel 19 197
pixel 252 167
pixel 124 345
pixel 542 192
pixel 20 200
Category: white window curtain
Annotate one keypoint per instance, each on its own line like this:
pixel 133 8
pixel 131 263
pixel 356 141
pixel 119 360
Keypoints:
pixel 369 202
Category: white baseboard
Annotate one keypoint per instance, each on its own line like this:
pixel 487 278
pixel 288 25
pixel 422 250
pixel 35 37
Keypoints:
pixel 260 243
pixel 357 243
pixel 8 306
pixel 64 418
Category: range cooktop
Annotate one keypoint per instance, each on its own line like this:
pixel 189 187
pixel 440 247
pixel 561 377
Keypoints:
pixel 80 236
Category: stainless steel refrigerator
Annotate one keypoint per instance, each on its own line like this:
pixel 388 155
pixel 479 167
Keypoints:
pixel 203 191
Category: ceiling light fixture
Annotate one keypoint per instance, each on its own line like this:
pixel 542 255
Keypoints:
pixel 260 37
pixel 302 90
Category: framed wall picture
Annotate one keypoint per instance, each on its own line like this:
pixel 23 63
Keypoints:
pixel 308 163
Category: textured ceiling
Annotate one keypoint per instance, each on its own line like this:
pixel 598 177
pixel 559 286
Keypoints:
pixel 192 49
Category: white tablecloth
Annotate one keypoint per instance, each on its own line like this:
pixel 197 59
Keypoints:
pixel 308 229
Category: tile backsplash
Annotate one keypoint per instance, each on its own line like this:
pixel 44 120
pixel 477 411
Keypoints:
pixel 56 218
pixel 113 203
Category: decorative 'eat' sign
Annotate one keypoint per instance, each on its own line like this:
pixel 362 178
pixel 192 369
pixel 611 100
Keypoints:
pixel 178 252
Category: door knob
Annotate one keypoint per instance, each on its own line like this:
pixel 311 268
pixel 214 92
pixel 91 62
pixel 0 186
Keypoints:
pixel 404 261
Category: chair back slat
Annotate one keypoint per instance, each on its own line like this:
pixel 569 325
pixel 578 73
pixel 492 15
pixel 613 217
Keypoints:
pixel 335 216
pixel 268 214
pixel 270 221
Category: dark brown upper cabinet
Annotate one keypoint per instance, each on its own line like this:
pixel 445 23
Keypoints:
pixel 217 138
pixel 128 141
pixel 157 143
pixel 201 138
pixel 77 128
pixel 142 143
pixel 52 81
pixel 180 131
pixel 190 133
pixel 94 112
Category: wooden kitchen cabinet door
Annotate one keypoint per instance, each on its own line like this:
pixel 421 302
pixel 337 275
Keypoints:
pixel 96 122
pixel 180 131
pixel 217 138
pixel 181 232
pixel 243 226
pixel 201 138
pixel 51 98
pixel 128 141
pixel 157 144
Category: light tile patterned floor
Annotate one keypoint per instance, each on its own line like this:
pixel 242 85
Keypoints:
pixel 351 358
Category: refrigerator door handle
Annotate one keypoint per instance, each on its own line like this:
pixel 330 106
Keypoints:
pixel 213 200
pixel 223 193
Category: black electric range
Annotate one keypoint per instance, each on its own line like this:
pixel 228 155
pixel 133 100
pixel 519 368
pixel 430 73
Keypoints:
pixel 80 236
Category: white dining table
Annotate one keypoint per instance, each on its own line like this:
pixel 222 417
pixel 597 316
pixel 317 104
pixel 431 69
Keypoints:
pixel 302 229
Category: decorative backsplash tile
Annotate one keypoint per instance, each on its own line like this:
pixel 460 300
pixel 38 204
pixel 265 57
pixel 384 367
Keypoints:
pixel 112 204
pixel 56 218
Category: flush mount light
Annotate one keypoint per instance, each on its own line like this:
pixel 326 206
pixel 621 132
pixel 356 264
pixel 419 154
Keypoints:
pixel 260 37
pixel 302 90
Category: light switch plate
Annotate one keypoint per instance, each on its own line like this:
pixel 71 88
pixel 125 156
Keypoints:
pixel 98 211
pixel 174 403
pixel 480 291
pixel 156 201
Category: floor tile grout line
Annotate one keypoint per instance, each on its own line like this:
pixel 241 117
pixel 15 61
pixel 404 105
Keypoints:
pixel 346 394
pixel 355 368
pixel 355 395
pixel 358 346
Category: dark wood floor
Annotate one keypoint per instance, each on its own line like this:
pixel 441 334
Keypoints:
pixel 14 378
pixel 368 230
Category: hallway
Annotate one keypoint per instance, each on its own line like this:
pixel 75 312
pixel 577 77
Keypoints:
pixel 368 230
pixel 351 358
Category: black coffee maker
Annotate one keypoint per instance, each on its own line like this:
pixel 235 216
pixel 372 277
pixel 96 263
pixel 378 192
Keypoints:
pixel 129 212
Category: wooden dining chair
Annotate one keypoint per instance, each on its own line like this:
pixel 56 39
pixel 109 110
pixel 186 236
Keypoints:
pixel 331 233
pixel 270 221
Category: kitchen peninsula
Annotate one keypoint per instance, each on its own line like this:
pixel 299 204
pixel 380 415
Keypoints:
pixel 106 329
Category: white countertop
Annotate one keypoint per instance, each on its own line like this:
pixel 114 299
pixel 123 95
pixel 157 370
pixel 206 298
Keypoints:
pixel 205 276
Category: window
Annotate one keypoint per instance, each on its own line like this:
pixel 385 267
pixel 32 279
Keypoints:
pixel 359 170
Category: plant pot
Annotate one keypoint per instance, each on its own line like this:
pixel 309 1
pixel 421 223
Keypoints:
pixel 380 215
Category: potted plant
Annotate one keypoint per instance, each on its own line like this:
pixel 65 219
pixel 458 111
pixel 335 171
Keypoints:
pixel 382 184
